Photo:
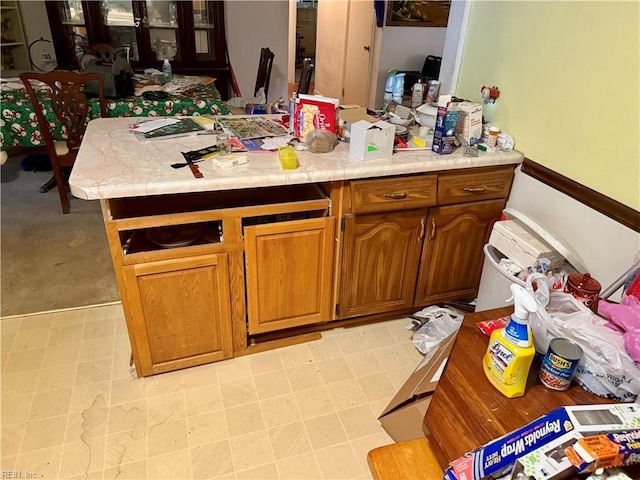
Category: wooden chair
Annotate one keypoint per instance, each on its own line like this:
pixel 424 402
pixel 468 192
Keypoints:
pixel 71 107
pixel 305 76
pixel 264 71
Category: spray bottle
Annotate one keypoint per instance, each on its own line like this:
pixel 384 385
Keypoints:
pixel 398 88
pixel 510 353
pixel 388 88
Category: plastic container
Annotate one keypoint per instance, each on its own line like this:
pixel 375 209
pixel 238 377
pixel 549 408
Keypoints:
pixel 492 139
pixel 224 144
pixel 167 73
pixel 288 157
pixel 417 94
pixel 398 88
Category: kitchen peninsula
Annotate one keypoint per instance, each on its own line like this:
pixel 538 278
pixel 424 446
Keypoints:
pixel 253 257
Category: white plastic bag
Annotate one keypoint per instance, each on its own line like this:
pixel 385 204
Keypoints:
pixel 605 368
pixel 439 323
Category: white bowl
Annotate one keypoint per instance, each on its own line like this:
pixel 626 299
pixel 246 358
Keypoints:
pixel 405 122
pixel 426 115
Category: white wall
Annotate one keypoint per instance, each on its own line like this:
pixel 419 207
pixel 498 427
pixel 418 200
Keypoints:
pixel 251 25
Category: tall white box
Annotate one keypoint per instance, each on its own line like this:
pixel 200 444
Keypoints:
pixel 470 122
pixel 371 140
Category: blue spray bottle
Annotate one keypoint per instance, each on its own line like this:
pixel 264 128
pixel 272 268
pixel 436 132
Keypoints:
pixel 388 88
pixel 398 88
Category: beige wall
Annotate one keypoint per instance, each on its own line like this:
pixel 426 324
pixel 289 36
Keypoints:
pixel 569 76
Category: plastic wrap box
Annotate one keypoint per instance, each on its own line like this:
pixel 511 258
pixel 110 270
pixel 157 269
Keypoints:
pixel 371 140
pixel 522 246
pixel 497 458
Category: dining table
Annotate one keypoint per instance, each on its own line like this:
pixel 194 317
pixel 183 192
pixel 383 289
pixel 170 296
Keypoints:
pixel 19 126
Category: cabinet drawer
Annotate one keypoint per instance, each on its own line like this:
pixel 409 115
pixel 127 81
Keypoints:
pixel 393 193
pixel 461 187
pixel 306 15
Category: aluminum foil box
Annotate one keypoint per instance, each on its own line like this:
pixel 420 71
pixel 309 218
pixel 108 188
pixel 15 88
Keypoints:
pixel 498 457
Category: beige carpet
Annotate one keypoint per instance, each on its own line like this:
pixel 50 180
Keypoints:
pixel 49 260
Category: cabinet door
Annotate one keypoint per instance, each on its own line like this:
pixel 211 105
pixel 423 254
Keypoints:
pixel 452 256
pixel 380 261
pixel 179 313
pixel 288 273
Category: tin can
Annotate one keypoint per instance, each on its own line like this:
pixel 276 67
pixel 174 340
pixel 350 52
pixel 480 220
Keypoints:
pixel 559 364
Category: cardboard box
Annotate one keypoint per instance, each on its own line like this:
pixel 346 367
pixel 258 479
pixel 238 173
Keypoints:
pixel 347 116
pixel 444 134
pixel 313 112
pixel 521 245
pixel 470 122
pixel 498 457
pixel 403 417
pixel 371 140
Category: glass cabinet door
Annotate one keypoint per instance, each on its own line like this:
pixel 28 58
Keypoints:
pixel 119 25
pixel 164 24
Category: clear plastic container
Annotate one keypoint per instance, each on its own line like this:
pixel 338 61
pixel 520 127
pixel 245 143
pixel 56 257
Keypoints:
pixel 288 157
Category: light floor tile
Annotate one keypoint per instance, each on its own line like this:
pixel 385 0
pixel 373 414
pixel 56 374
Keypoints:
pixel 45 433
pixel 130 446
pixel 339 462
pixel 272 384
pixel 207 428
pixel 251 450
pixel 171 466
pixel 244 419
pixel 238 392
pixel 82 457
pixel 211 460
pixel 314 402
pixel 6 341
pixel 168 437
pixel 289 440
pixel 280 410
pixel 41 464
pixel 264 362
pixel 302 467
pixel 207 398
pixel 50 404
pixel 127 471
pixel 304 411
pixel 325 431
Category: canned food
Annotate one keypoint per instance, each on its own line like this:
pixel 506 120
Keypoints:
pixel 559 364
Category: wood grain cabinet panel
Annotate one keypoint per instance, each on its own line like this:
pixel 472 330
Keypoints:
pixel 386 194
pixel 484 184
pixel 289 273
pixel 381 254
pixel 452 257
pixel 179 312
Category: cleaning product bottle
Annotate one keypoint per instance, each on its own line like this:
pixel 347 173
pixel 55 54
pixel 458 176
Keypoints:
pixel 388 89
pixel 510 353
pixel 416 94
pixel 398 88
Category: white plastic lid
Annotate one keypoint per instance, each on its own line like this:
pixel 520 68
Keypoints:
pixel 556 241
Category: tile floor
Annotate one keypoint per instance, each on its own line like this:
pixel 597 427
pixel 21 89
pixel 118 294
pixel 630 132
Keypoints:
pixel 71 407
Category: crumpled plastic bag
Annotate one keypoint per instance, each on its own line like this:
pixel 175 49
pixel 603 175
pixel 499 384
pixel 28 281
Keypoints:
pixel 605 369
pixel 438 324
pixel 625 318
pixel 259 99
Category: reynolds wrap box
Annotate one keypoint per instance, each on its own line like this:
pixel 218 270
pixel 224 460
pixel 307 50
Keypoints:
pixel 615 449
pixel 497 458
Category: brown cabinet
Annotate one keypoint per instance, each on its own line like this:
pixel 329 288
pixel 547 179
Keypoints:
pixel 288 270
pixel 406 256
pixel 179 311
pixel 381 255
pixel 452 256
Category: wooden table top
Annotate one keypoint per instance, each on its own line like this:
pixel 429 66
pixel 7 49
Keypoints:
pixel 467 411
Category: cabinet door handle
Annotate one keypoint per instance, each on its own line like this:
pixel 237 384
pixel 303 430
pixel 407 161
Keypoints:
pixel 474 189
pixel 422 224
pixel 433 229
pixel 396 196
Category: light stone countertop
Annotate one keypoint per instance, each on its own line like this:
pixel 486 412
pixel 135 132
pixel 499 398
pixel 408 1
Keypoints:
pixel 112 163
